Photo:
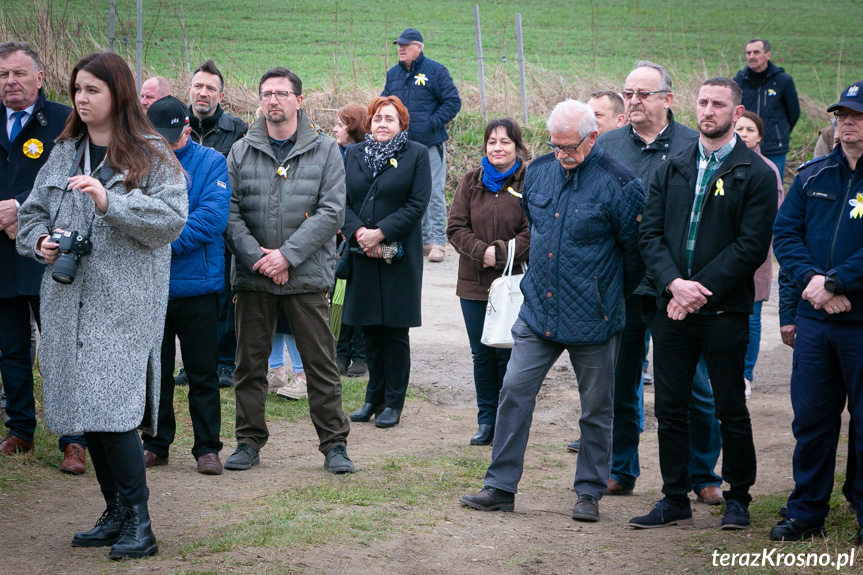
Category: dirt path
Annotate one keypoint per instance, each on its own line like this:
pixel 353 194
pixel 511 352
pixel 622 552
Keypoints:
pixel 539 537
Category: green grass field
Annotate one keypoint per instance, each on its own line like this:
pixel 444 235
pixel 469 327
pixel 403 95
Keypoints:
pixel 340 43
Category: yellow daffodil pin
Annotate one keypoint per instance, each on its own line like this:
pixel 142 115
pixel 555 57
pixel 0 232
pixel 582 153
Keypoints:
pixel 420 80
pixel 283 171
pixel 33 148
pixel 513 192
pixel 394 163
pixel 857 203
pixel 720 190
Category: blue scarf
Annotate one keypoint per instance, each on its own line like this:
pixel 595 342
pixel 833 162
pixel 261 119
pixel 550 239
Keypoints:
pixel 492 178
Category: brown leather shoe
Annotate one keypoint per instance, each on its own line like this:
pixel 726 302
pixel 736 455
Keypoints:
pixel 710 495
pixel 12 445
pixel 615 488
pixel 209 464
pixel 73 460
pixel 153 460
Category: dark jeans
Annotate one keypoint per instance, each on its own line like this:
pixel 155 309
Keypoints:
pixel 722 340
pixel 193 320
pixel 352 344
pixel 16 368
pixel 118 460
pixel 389 353
pixel 827 370
pixel 489 363
pixel 227 336
pixel 308 316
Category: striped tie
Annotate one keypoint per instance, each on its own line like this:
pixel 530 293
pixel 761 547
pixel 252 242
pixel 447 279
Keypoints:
pixel 16 125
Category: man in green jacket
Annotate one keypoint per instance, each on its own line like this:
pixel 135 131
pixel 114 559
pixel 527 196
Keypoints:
pixel 287 202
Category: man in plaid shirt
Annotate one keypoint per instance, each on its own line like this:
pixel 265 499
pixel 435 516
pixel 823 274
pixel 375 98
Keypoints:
pixel 706 229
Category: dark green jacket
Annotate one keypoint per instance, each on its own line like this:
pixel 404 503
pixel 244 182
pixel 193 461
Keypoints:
pixel 297 213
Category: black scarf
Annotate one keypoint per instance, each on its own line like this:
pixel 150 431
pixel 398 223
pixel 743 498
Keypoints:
pixel 379 153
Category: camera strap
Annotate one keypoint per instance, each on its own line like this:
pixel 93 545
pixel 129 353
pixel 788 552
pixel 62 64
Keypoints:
pixel 82 151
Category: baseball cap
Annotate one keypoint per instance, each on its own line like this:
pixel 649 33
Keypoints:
pixel 169 116
pixel 852 98
pixel 408 36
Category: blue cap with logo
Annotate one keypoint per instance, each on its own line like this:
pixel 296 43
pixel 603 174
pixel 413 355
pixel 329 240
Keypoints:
pixel 408 36
pixel 852 98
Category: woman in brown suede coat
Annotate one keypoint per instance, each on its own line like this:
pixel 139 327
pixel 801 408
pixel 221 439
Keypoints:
pixel 485 214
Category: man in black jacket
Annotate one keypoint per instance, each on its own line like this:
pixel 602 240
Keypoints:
pixel 32 123
pixel 706 229
pixel 652 137
pixel 214 128
pixel 769 92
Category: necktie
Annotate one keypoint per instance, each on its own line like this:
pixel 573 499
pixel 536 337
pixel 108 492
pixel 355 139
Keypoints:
pixel 16 125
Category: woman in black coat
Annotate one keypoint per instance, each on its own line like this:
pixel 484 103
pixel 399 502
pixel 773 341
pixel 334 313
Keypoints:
pixel 388 181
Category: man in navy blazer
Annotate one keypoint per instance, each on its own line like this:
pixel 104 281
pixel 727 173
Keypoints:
pixel 31 125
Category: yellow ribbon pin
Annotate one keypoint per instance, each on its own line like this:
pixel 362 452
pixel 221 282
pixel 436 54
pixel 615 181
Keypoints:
pixel 857 212
pixel 513 192
pixel 420 80
pixel 33 148
pixel 394 163
pixel 720 190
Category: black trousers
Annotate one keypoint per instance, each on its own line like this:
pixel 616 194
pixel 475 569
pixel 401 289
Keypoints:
pixel 388 350
pixel 194 320
pixel 118 460
pixel 722 340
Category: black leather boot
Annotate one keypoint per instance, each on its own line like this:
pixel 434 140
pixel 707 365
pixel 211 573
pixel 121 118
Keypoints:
pixel 366 411
pixel 389 417
pixel 107 529
pixel 484 434
pixel 136 535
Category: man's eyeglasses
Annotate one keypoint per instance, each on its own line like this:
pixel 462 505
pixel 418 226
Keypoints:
pixel 280 96
pixel 642 95
pixel 569 150
pixel 843 115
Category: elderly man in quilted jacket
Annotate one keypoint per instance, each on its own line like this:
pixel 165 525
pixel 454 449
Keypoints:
pixel 583 208
pixel 287 202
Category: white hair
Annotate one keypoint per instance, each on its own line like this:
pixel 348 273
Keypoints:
pixel 572 115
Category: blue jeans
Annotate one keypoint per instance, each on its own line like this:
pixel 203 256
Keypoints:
pixel 754 341
pixel 779 160
pixel 277 356
pixel 532 358
pixel 489 363
pixel 434 220
pixel 827 369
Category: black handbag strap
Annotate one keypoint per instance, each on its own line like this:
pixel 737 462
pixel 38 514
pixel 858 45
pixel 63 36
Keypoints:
pixel 368 195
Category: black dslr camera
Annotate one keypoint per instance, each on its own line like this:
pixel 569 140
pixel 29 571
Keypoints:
pixel 73 245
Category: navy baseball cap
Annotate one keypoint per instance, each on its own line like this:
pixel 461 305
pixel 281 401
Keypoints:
pixel 852 98
pixel 408 36
pixel 169 116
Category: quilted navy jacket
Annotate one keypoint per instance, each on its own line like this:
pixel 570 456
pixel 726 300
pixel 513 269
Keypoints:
pixel 583 247
pixel 775 100
pixel 428 92
pixel 198 255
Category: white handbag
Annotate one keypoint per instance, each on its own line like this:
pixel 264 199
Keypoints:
pixel 504 302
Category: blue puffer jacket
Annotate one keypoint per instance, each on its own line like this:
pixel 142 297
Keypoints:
pixel 819 230
pixel 583 247
pixel 775 100
pixel 198 255
pixel 428 92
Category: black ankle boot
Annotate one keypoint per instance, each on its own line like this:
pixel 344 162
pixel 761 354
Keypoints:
pixel 484 434
pixel 136 536
pixel 366 411
pixel 389 417
pixel 107 529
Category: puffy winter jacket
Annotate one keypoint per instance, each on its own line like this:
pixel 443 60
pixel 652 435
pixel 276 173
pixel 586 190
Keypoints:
pixel 819 230
pixel 297 212
pixel 583 247
pixel 198 255
pixel 774 99
pixel 428 92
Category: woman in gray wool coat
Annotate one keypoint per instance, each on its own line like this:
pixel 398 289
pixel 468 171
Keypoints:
pixel 112 179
